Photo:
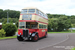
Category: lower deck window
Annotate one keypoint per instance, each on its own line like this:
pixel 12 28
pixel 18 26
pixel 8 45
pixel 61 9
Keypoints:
pixel 21 25
pixel 41 26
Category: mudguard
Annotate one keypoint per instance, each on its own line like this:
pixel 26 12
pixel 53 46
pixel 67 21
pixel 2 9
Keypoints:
pixel 33 34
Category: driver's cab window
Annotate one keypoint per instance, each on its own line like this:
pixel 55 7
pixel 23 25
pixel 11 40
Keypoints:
pixel 27 25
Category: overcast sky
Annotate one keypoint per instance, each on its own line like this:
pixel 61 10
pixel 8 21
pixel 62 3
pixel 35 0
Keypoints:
pixel 66 7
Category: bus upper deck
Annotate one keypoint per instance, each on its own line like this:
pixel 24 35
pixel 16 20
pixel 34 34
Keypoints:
pixel 33 14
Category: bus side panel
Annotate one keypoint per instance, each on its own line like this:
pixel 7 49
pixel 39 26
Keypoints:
pixel 40 33
pixel 45 32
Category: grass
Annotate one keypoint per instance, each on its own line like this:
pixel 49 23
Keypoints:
pixel 8 37
pixel 73 49
pixel 73 31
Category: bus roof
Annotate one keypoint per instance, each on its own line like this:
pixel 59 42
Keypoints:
pixel 33 8
pixel 30 8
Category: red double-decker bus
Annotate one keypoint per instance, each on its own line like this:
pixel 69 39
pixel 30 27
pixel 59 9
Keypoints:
pixel 32 24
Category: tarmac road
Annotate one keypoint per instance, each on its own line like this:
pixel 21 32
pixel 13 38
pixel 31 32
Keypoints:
pixel 42 44
pixel 65 45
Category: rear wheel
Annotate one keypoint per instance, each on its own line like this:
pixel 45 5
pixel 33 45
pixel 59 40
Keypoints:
pixel 45 34
pixel 19 38
pixel 35 38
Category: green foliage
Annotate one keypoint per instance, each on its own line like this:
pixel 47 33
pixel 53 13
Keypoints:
pixel 71 18
pixel 52 24
pixel 11 13
pixel 2 33
pixel 17 23
pixel 64 23
pixel 10 29
pixel 13 20
pixel 59 24
pixel 73 25
pixel 5 21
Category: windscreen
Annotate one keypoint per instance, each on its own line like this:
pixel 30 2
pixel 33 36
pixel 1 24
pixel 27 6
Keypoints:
pixel 24 11
pixel 21 25
pixel 31 11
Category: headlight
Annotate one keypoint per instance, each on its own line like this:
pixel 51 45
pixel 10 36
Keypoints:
pixel 30 33
pixel 20 33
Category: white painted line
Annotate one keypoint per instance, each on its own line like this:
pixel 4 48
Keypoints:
pixel 56 43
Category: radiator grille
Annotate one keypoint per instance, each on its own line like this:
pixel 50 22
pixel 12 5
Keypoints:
pixel 25 33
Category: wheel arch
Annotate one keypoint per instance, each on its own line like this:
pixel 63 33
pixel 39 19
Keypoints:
pixel 34 33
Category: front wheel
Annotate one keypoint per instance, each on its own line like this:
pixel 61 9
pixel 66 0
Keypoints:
pixel 19 38
pixel 35 38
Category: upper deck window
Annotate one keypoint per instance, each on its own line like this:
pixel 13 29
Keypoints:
pixel 31 11
pixel 37 12
pixel 24 11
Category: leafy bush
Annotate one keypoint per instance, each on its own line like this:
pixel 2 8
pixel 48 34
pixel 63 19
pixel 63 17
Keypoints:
pixel 17 24
pixel 2 33
pixel 10 29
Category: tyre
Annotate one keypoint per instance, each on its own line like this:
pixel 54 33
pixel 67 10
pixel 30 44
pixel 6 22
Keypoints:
pixel 35 38
pixel 45 34
pixel 19 38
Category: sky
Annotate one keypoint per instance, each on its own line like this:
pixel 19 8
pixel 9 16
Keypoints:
pixel 66 7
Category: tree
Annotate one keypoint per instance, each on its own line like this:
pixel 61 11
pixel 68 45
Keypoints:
pixel 10 29
pixel 5 21
pixel 64 23
pixel 52 24
pixel 12 13
pixel 59 24
pixel 1 12
pixel 17 23
pixel 49 24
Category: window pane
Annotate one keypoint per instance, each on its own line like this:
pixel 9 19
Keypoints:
pixel 24 11
pixel 30 16
pixel 44 26
pixel 25 16
pixel 37 12
pixel 20 27
pixel 31 11
pixel 21 23
pixel 40 26
pixel 27 26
